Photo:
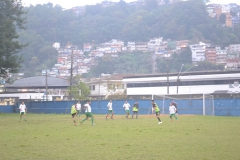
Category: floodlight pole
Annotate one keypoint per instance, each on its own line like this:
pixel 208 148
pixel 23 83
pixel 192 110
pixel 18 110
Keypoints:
pixel 181 73
pixel 71 77
pixel 46 86
pixel 167 75
pixel 178 77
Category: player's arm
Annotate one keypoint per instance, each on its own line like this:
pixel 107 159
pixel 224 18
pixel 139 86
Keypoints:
pixel 153 108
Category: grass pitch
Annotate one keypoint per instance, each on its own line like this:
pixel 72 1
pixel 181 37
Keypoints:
pixel 52 136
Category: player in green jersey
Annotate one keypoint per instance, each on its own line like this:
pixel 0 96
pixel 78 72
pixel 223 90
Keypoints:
pixel 135 110
pixel 157 111
pixel 74 113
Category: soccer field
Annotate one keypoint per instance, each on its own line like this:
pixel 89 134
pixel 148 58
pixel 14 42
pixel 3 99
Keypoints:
pixel 53 136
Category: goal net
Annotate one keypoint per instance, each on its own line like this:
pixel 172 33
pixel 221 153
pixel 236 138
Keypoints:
pixel 186 104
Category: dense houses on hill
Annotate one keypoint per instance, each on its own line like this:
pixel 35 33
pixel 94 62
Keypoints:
pixel 70 58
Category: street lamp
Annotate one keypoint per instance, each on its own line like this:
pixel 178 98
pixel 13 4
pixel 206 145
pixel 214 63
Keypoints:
pixel 181 73
pixel 178 77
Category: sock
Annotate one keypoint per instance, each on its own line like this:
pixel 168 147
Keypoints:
pixel 92 120
pixel 159 119
pixel 83 120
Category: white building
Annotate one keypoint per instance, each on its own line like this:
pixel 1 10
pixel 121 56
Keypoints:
pixel 187 83
pixel 221 56
pixel 198 51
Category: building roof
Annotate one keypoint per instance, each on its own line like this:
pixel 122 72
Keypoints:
pixel 185 73
pixel 39 82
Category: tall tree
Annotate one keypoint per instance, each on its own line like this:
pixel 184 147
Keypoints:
pixel 11 19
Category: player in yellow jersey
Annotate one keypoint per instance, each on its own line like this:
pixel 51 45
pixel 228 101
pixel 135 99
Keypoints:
pixel 157 111
pixel 74 113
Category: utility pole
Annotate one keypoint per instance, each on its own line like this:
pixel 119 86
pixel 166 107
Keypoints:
pixel 46 86
pixel 178 76
pixel 71 77
pixel 154 63
pixel 167 75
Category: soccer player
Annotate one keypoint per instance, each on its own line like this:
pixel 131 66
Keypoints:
pixel 88 113
pixel 74 113
pixel 78 106
pixel 157 111
pixel 135 109
pixel 110 109
pixel 172 111
pixel 23 110
pixel 175 105
pixel 126 105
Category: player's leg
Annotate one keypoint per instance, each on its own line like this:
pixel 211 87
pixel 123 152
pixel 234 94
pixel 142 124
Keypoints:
pixel 171 117
pixel 133 114
pixel 175 116
pixel 20 116
pixel 127 113
pixel 73 118
pixel 90 115
pixel 107 114
pixel 112 115
pixel 85 118
pixel 78 113
pixel 136 114
pixel 158 117
pixel 24 116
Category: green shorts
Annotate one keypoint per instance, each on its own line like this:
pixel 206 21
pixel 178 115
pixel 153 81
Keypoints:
pixel 110 111
pixel 127 111
pixel 88 114
pixel 22 113
pixel 157 113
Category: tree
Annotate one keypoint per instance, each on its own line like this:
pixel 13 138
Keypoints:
pixel 222 18
pixel 79 90
pixel 11 19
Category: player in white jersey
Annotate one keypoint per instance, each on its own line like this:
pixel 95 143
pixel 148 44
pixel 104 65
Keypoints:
pixel 126 105
pixel 88 111
pixel 78 107
pixel 23 110
pixel 172 111
pixel 110 109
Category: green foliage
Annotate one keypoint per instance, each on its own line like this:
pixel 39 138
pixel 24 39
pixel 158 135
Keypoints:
pixel 79 90
pixel 178 21
pixel 11 19
pixel 125 63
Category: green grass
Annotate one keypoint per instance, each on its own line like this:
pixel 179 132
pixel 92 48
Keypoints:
pixel 52 136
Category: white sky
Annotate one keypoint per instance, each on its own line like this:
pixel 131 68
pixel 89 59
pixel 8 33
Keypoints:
pixel 71 3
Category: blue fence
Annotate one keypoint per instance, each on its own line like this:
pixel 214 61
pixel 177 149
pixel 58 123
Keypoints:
pixel 222 107
pixel 7 109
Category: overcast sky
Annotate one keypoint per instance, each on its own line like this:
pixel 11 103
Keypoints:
pixel 72 3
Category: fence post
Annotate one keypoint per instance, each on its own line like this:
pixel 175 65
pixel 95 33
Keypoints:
pixel 204 104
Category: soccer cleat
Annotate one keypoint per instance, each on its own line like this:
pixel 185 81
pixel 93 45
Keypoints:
pixel 93 124
pixel 159 122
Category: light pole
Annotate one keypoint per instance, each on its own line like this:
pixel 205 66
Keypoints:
pixel 178 77
pixel 181 73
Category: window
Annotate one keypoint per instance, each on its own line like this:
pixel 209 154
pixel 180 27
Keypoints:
pixel 93 87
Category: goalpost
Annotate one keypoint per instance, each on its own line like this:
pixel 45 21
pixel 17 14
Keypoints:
pixel 187 104
pixel 208 105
